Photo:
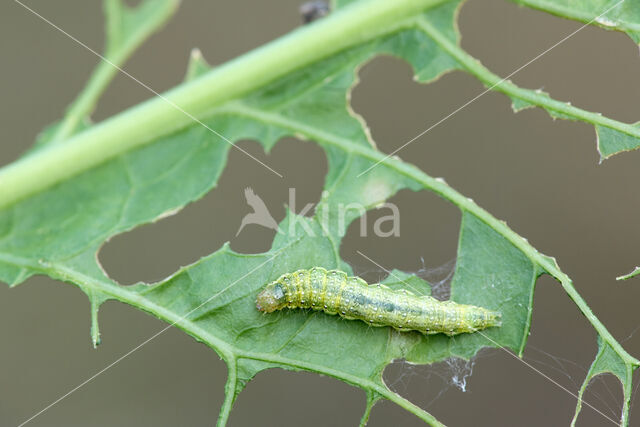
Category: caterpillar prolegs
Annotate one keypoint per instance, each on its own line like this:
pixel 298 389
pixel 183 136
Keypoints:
pixel 352 298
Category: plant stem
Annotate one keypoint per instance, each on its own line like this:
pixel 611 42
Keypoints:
pixel 372 398
pixel 540 99
pixel 85 103
pixel 164 114
pixel 229 392
pixel 119 47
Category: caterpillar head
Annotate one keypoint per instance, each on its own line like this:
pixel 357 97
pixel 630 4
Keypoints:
pixel 271 298
pixel 481 318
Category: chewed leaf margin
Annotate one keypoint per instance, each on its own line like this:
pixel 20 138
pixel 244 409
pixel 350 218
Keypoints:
pixel 607 361
pixel 614 15
pixel 212 299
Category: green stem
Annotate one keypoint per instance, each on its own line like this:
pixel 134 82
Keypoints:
pixel 95 330
pixel 634 273
pixel 552 268
pixel 372 398
pixel 85 103
pixel 162 115
pixel 229 392
pixel 106 70
pixel 627 387
pixel 540 99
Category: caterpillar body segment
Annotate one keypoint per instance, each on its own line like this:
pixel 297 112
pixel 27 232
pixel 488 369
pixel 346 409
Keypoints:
pixel 352 298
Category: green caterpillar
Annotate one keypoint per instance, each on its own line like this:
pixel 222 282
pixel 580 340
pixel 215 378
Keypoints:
pixel 352 298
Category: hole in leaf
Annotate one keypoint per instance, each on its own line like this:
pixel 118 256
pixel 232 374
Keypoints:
pixel 300 395
pixel 399 111
pixel 562 346
pixel 154 251
pixel 605 394
pixel 386 413
pixel 427 242
pixel 469 149
pixel 439 386
pixel 303 166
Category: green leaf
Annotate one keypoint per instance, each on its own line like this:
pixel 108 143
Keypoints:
pixel 612 141
pixel 608 361
pixel 608 14
pixel 400 280
pixel 128 27
pixel 197 66
pixel 63 202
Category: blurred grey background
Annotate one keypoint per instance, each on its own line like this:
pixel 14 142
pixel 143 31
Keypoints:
pixel 540 175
